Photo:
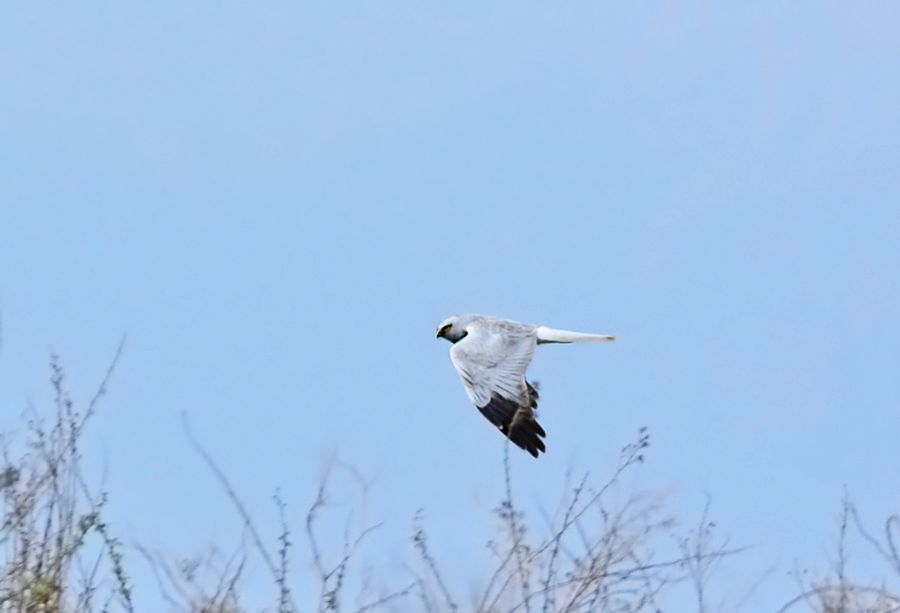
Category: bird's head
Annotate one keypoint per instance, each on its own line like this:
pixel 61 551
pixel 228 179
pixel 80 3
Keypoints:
pixel 452 328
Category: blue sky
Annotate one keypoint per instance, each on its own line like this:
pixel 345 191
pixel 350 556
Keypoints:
pixel 279 202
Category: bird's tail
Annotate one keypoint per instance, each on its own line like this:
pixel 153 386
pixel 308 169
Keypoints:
pixel 552 335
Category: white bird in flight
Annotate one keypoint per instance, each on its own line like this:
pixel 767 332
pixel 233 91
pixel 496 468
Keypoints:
pixel 491 356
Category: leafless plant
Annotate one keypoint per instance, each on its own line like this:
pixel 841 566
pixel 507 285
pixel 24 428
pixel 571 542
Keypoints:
pixel 206 583
pixel 702 552
pixel 597 552
pixel 59 552
pixel 593 556
pixel 837 591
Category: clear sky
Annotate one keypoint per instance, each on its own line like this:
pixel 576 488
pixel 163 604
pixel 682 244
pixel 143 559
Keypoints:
pixel 279 201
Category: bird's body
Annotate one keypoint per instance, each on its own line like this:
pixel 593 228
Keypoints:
pixel 491 356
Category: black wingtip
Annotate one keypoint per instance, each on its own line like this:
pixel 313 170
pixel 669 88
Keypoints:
pixel 517 421
pixel 526 433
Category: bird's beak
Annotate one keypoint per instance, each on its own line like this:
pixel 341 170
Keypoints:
pixel 439 334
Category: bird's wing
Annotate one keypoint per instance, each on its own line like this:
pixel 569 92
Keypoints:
pixel 492 360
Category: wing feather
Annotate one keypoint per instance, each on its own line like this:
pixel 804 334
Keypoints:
pixel 491 361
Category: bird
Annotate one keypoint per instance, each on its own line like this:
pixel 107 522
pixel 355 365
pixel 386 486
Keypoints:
pixel 491 356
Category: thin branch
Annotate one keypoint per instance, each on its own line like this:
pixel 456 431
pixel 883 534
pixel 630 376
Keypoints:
pixel 249 525
pixel 402 593
pixel 421 544
pixel 556 540
pixel 516 531
pixel 823 590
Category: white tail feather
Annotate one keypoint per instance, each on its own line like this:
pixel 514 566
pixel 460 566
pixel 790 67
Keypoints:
pixel 552 335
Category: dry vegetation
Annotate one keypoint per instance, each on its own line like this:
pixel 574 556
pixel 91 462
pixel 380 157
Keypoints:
pixel 58 552
pixel 596 552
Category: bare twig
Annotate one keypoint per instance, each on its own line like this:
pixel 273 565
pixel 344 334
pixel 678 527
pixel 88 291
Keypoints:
pixel 421 544
pixel 249 524
pixel 284 593
pixel 387 598
pixel 510 514
pixel 556 540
